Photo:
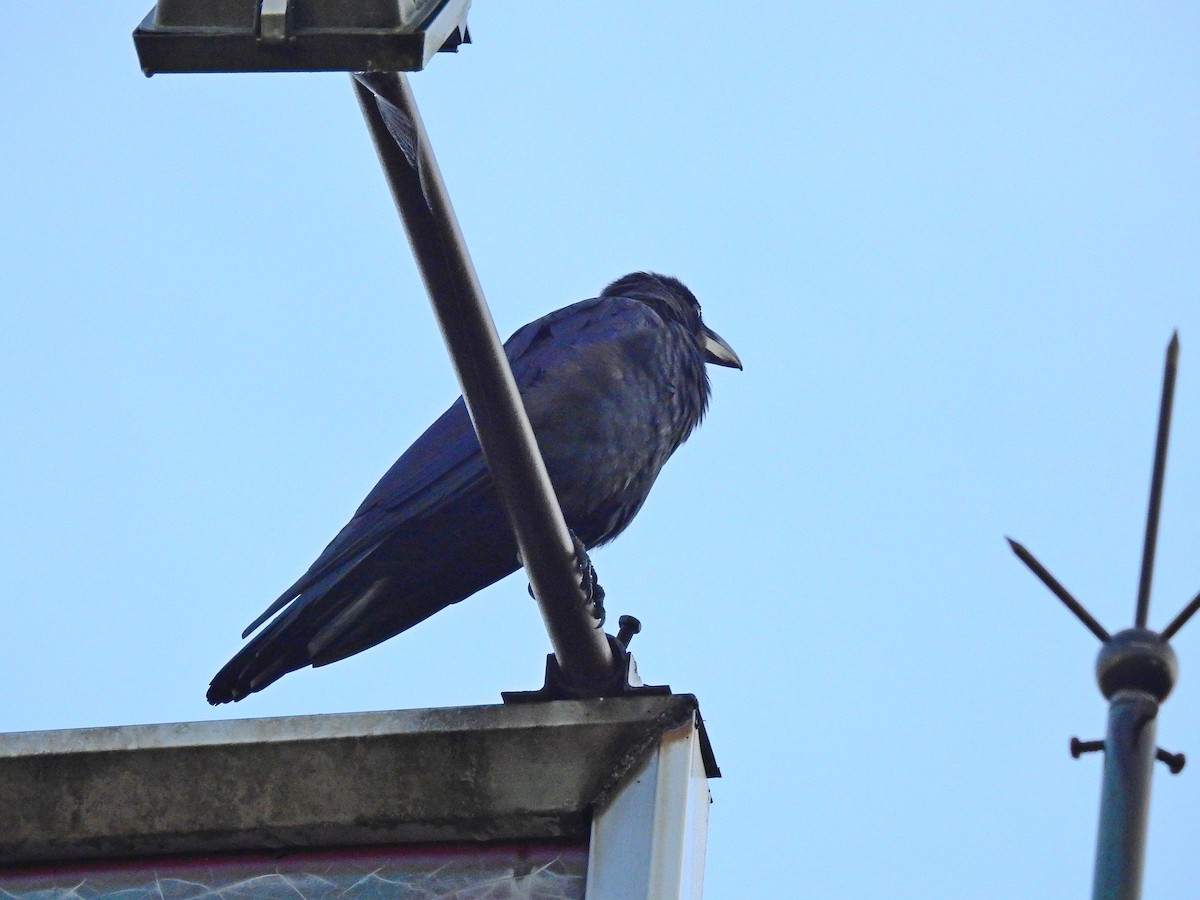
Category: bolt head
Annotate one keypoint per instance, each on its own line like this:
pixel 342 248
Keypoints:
pixel 1137 659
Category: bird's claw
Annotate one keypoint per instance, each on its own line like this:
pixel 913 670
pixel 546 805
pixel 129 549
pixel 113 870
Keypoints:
pixel 593 593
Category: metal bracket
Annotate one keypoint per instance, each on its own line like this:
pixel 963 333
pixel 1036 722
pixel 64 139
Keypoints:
pixel 624 679
pixel 273 24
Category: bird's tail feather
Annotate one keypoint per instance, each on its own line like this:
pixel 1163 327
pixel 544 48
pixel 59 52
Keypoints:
pixel 344 620
pixel 282 646
pixel 314 582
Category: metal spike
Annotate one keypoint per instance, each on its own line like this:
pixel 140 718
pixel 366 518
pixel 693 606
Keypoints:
pixel 1180 620
pixel 1156 481
pixel 1059 591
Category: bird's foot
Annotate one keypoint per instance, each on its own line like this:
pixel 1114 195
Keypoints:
pixel 592 591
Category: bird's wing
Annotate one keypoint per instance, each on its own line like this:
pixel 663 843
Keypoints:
pixel 440 467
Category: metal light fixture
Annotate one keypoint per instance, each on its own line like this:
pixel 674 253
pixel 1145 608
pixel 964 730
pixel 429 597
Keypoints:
pixel 298 35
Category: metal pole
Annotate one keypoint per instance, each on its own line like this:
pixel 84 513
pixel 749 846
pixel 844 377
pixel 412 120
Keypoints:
pixel 491 395
pixel 1129 751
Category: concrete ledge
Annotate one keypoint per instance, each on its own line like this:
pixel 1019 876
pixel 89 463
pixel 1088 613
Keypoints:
pixel 485 773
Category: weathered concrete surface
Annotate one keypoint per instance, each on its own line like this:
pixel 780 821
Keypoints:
pixel 482 773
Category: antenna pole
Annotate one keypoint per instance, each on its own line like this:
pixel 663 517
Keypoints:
pixel 1136 670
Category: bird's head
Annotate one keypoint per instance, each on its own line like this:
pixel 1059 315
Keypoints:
pixel 672 300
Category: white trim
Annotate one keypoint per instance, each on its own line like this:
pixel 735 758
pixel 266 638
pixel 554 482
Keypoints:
pixel 648 842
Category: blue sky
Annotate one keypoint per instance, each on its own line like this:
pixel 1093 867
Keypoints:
pixel 949 241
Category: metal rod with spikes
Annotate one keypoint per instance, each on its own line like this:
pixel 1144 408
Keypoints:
pixel 1136 670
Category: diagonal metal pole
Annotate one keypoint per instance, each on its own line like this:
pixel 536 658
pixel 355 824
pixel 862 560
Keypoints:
pixel 547 549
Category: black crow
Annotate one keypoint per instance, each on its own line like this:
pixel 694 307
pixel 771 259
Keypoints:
pixel 612 386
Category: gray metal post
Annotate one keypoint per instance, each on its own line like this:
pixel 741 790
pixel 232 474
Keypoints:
pixel 1125 796
pixel 1136 670
pixel 547 550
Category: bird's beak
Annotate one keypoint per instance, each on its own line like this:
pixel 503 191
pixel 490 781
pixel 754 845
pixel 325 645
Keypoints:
pixel 718 352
